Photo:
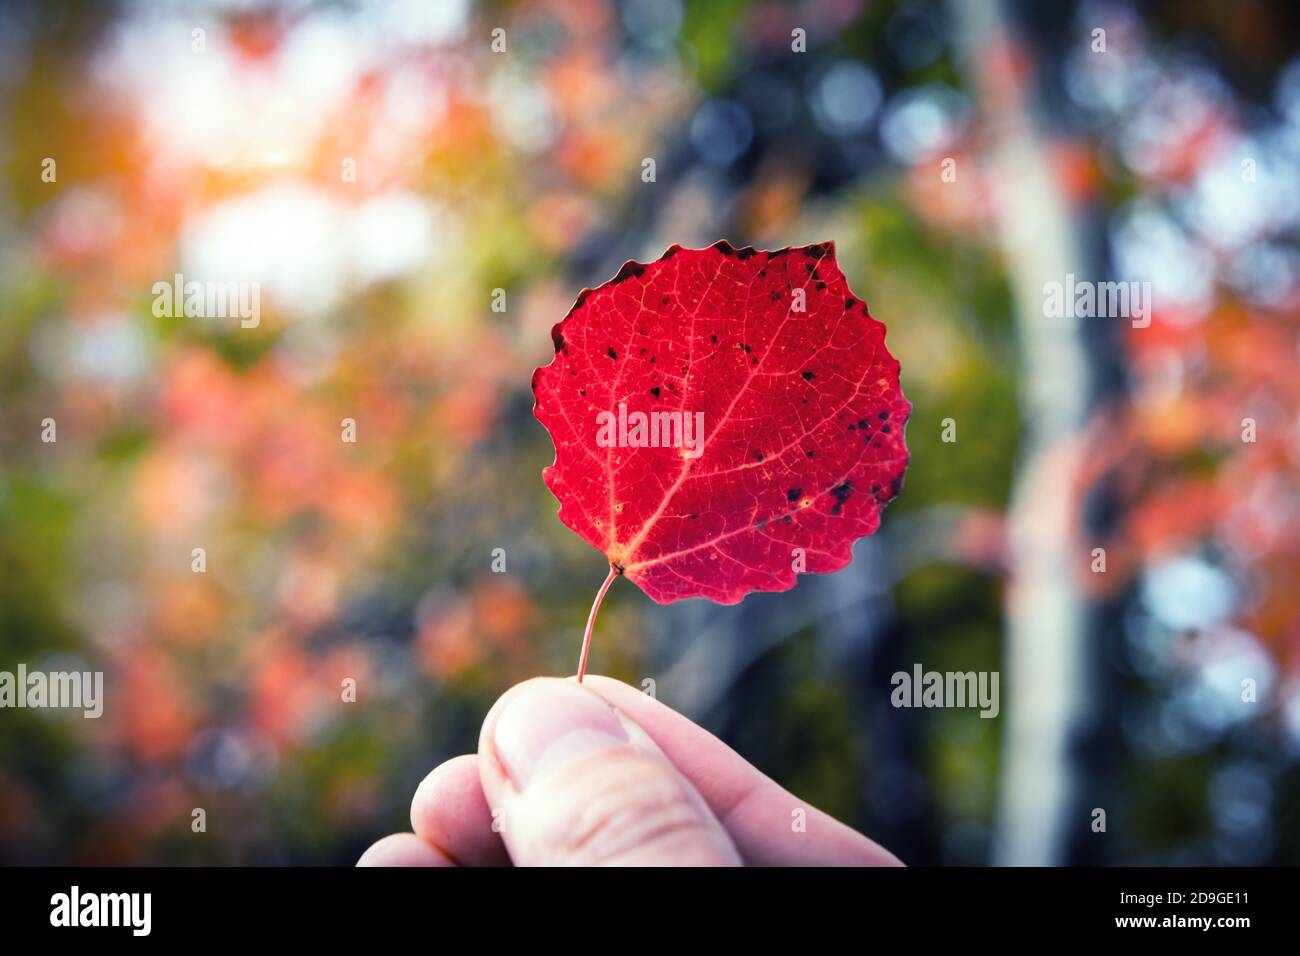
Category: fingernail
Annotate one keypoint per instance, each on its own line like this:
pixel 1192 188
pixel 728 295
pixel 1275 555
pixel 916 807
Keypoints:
pixel 548 723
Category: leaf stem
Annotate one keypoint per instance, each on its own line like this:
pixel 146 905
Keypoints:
pixel 591 622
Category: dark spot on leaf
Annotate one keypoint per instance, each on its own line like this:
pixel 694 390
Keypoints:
pixel 821 285
pixel 886 429
pixel 758 456
pixel 558 338
pixel 630 270
pixel 655 391
pixel 896 485
pixel 713 338
pixel 841 493
pixel 789 520
pixel 884 416
pixel 807 376
pixel 794 494
pixel 810 453
pixel 776 296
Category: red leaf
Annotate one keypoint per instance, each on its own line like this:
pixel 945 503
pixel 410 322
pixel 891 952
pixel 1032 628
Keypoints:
pixel 802 412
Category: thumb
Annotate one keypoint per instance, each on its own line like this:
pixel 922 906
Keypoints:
pixel 571 781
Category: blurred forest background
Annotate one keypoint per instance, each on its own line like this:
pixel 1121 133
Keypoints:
pixel 1171 155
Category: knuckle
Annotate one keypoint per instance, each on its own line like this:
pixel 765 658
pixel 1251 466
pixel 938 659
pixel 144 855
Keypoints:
pixel 622 808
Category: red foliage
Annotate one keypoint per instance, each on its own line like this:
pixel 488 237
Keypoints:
pixel 802 420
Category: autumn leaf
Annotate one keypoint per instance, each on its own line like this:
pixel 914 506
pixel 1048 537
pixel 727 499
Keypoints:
pixel 724 419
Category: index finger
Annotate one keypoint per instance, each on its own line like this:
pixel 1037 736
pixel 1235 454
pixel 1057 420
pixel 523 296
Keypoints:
pixel 763 818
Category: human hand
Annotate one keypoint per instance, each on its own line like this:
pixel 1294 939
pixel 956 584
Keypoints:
pixel 600 774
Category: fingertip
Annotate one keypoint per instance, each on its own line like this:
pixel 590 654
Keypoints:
pixel 492 770
pixel 546 724
pixel 485 746
pixel 447 787
pixel 403 849
pixel 450 811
